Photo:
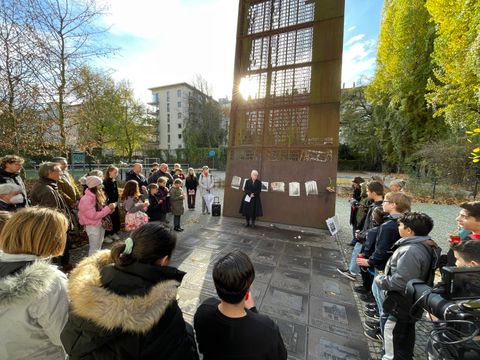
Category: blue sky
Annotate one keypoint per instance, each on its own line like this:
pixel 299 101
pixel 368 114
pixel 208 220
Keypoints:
pixel 170 41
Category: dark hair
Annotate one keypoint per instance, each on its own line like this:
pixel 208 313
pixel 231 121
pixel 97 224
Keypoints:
pixel 469 250
pixel 376 187
pixel 131 189
pixel 59 158
pixel 233 274
pixel 151 242
pixel 421 224
pixel 378 215
pixel 473 209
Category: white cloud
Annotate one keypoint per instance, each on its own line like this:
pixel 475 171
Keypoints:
pixel 358 61
pixel 351 28
pixel 354 39
pixel 181 40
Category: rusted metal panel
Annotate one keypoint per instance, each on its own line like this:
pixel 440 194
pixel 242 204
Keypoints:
pixel 285 109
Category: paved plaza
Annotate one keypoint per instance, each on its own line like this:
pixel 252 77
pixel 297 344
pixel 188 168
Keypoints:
pixel 296 282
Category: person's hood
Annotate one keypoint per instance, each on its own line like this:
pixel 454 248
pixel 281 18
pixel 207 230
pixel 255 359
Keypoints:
pixel 25 283
pixel 137 314
pixel 427 240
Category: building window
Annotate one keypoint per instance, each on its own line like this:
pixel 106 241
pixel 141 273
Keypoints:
pixel 179 126
pixel 168 128
pixel 179 115
pixel 179 136
pixel 179 146
pixel 179 104
pixel 168 117
pixel 168 140
pixel 168 107
pixel 156 98
pixel 179 93
pixel 168 95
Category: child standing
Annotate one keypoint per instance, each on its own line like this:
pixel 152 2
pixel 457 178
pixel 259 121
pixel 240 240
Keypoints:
pixel 164 194
pixel 91 211
pixel 412 259
pixel 157 205
pixel 110 187
pixel 134 207
pixel 176 198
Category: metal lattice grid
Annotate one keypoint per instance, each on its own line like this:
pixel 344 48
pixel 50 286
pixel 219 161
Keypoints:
pixel 285 13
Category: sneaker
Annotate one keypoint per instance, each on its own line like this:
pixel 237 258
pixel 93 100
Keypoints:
pixel 371 315
pixel 115 237
pixel 107 240
pixel 371 306
pixel 371 324
pixel 347 274
pixel 360 290
pixel 374 335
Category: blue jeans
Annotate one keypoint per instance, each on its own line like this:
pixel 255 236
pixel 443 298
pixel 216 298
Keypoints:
pixel 379 296
pixel 353 267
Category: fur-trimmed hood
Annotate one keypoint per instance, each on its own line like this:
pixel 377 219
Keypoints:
pixel 110 311
pixel 29 283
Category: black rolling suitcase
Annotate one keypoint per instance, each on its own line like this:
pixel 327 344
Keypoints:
pixel 216 206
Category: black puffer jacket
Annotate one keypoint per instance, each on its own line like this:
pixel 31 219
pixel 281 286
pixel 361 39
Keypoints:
pixel 127 312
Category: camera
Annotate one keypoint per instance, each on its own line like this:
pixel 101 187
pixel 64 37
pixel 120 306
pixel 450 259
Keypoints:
pixel 354 202
pixel 456 303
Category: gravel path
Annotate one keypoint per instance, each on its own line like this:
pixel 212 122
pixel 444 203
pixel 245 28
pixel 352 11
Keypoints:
pixel 442 215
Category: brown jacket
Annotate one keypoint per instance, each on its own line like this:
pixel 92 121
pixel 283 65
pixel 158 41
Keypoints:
pixel 68 189
pixel 45 193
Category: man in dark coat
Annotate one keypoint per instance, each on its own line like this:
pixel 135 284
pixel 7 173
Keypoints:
pixel 10 167
pixel 45 193
pixel 136 175
pixel 162 172
pixel 251 206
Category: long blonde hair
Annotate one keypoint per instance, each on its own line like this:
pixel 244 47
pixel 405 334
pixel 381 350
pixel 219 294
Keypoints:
pixel 36 231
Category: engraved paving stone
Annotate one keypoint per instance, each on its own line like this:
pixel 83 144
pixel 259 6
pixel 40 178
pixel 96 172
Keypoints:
pixel 292 280
pixel 286 305
pixel 294 337
pixel 326 346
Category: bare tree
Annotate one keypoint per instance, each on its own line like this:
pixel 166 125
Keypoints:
pixel 67 36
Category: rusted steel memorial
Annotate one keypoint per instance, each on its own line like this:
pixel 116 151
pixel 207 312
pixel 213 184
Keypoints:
pixel 285 108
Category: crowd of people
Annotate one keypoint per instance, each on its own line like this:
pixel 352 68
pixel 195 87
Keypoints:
pixel 122 303
pixel 391 246
pixel 119 303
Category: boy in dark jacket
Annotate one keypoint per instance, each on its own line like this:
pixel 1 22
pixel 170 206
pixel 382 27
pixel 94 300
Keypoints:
pixel 412 259
pixel 231 328
pixel 157 206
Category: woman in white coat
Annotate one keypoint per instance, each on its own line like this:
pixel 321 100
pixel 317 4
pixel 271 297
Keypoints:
pixel 33 293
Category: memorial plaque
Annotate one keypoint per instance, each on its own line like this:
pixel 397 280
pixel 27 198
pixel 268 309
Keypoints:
pixel 200 258
pixel 291 280
pixel 326 346
pixel 329 288
pixel 271 245
pixel 327 255
pixel 294 263
pixel 188 300
pixel 328 269
pixel 294 337
pixel 286 305
pixel 341 319
pixel 265 257
pixel 263 273
pixel 298 250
